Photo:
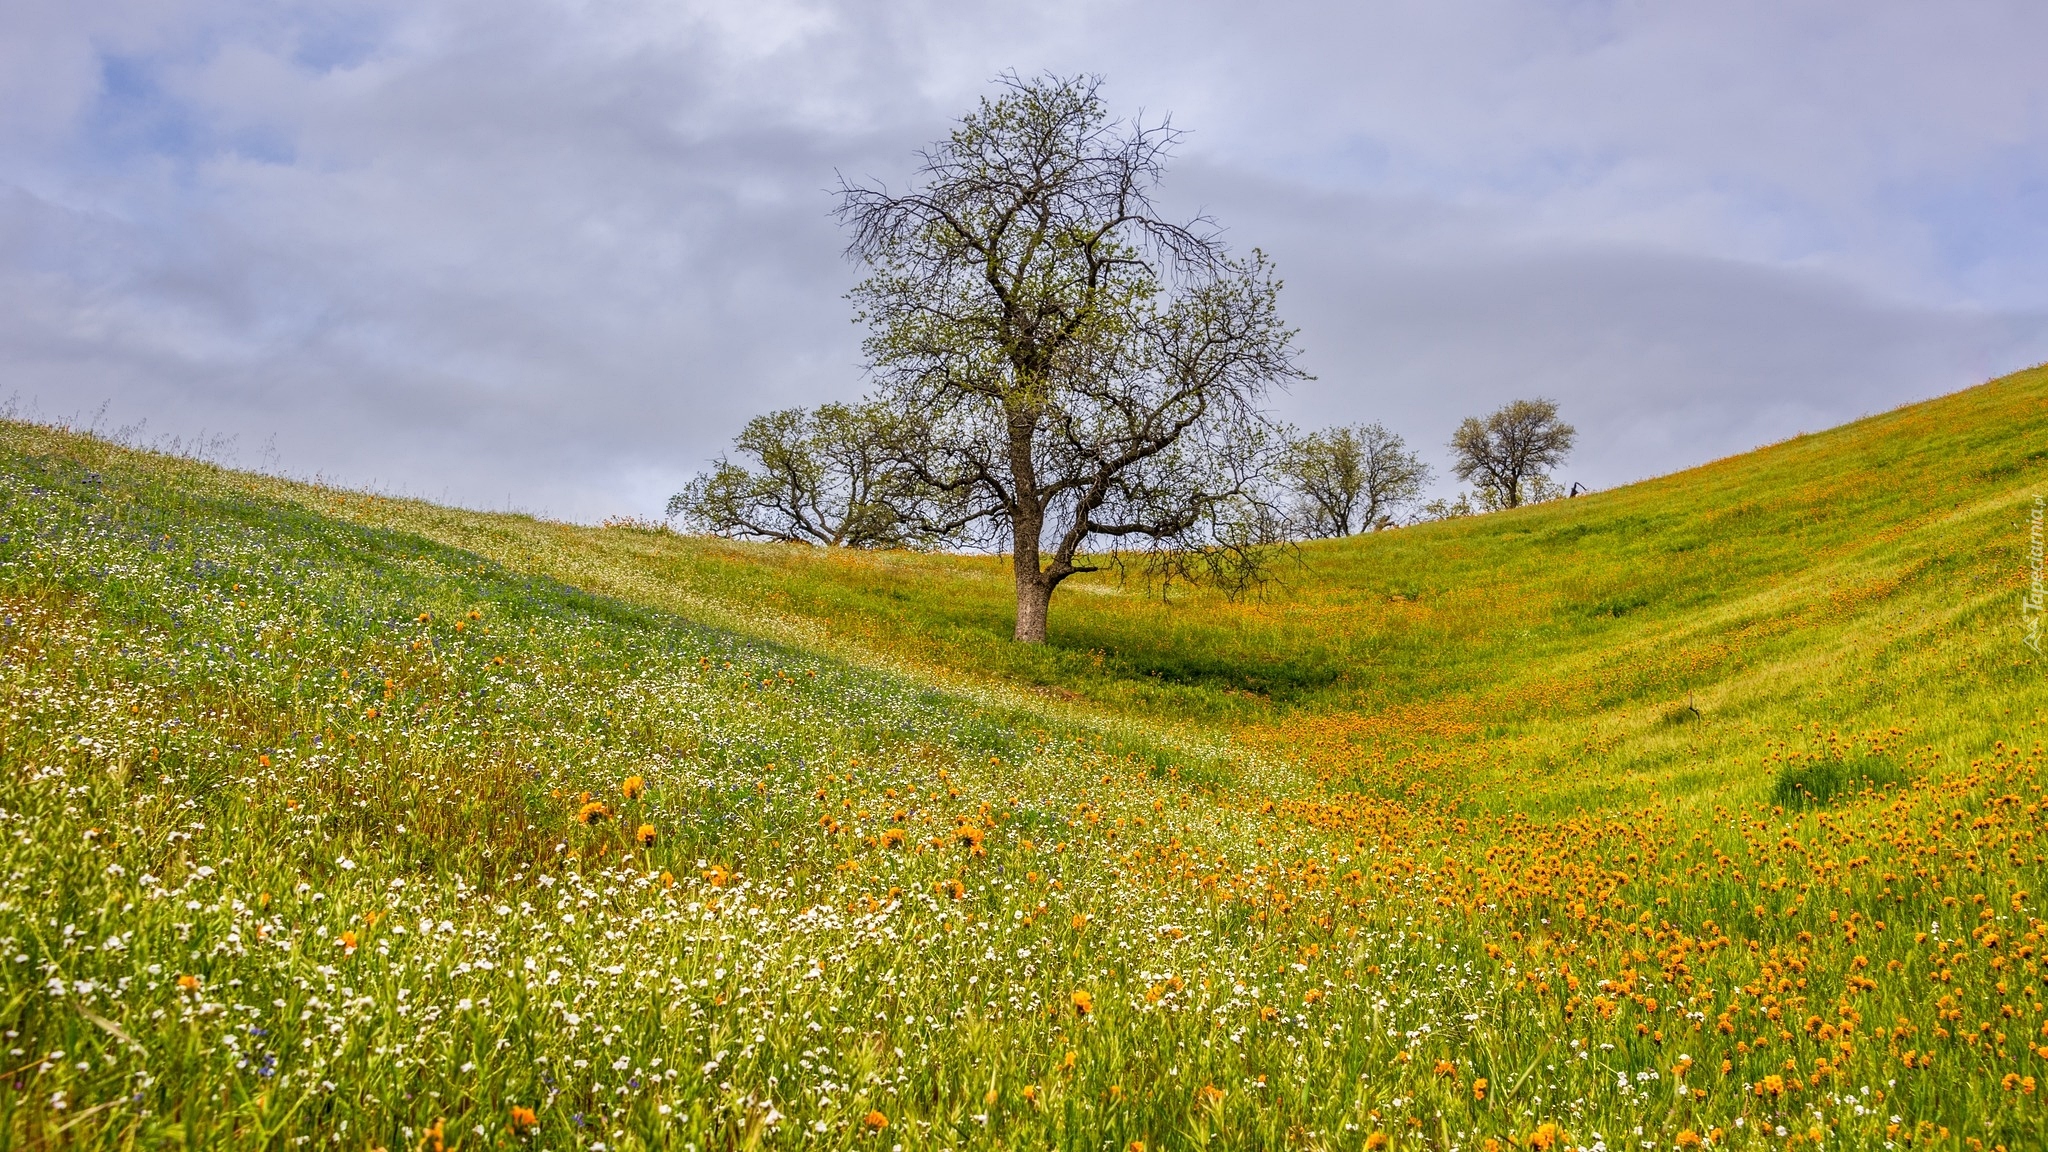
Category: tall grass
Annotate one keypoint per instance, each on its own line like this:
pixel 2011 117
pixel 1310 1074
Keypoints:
pixel 1703 812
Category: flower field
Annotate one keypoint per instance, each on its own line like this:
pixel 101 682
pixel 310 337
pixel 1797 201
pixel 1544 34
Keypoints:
pixel 1704 814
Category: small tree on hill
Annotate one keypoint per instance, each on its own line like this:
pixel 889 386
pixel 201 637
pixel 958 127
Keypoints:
pixel 1349 480
pixel 1071 370
pixel 816 477
pixel 1508 455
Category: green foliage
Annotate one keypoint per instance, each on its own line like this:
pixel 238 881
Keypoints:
pixel 1820 782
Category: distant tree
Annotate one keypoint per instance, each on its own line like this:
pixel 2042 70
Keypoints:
pixel 1349 480
pixel 1508 455
pixel 815 477
pixel 1074 374
pixel 1446 509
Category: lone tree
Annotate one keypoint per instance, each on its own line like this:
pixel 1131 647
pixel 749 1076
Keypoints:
pixel 1069 370
pixel 1508 456
pixel 1351 479
pixel 823 477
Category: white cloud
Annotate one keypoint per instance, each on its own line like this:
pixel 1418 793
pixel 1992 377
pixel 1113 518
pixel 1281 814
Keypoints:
pixel 555 253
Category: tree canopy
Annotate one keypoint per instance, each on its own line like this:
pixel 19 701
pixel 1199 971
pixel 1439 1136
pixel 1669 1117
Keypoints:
pixel 1073 375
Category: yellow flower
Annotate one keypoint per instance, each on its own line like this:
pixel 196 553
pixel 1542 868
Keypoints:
pixel 645 835
pixel 189 982
pixel 633 787
pixel 593 812
pixel 875 1121
pixel 1083 1002
pixel 1479 1088
pixel 523 1119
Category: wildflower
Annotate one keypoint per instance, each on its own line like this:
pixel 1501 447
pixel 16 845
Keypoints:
pixel 1212 1095
pixel 645 835
pixel 347 940
pixel 1446 1068
pixel 952 888
pixel 1080 921
pixel 523 1119
pixel 1312 995
pixel 1688 1139
pixel 893 837
pixel 633 787
pixel 1479 1088
pixel 668 878
pixel 1083 1002
pixel 592 812
pixel 1137 1146
pixel 969 837
pixel 875 1121
pixel 1546 1137
pixel 189 982
pixel 717 876
pixel 1376 1141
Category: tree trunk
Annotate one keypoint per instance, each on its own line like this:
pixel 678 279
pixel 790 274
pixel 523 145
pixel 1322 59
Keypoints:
pixel 1034 595
pixel 1034 586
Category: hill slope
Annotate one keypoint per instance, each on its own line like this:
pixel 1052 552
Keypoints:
pixel 1707 808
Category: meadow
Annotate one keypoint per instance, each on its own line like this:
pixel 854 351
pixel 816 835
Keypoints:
pixel 1702 813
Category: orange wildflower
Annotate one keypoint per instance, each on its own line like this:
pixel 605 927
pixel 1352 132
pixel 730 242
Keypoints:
pixel 1479 1088
pixel 593 812
pixel 523 1119
pixel 347 941
pixel 645 835
pixel 1083 1002
pixel 633 787
pixel 189 982
pixel 875 1121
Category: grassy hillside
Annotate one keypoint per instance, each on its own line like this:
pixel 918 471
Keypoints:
pixel 1701 812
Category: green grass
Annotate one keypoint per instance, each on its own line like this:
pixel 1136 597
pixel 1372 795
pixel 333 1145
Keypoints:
pixel 1708 807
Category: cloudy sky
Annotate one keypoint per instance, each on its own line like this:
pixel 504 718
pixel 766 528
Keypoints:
pixel 550 254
